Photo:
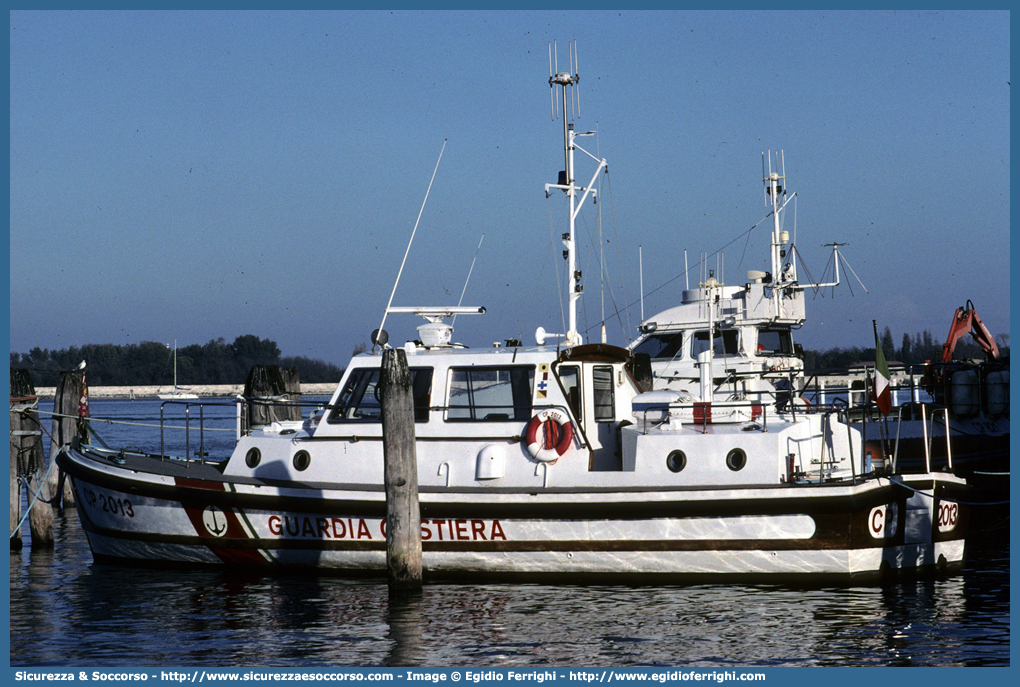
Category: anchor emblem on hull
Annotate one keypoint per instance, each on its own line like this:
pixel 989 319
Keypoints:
pixel 215 521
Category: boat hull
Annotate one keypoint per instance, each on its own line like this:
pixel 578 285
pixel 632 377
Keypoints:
pixel 848 531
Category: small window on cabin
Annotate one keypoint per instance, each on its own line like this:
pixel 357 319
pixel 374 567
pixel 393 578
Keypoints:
pixel 421 390
pixel 493 394
pixel 603 393
pixel 775 342
pixel 570 378
pixel 725 342
pixel 661 346
pixel 360 400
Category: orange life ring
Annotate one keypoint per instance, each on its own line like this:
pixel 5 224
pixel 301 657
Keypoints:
pixel 548 436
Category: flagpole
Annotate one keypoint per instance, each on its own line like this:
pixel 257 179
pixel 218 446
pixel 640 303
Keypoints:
pixel 885 407
pixel 881 392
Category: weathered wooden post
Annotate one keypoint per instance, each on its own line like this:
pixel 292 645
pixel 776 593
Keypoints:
pixel 27 464
pixel 274 388
pixel 292 390
pixel 260 386
pixel 66 424
pixel 15 531
pixel 403 517
pixel 22 398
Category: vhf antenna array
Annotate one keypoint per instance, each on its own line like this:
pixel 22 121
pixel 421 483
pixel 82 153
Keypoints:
pixel 565 79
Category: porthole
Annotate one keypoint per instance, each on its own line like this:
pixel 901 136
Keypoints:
pixel 302 460
pixel 736 459
pixel 676 461
pixel 253 457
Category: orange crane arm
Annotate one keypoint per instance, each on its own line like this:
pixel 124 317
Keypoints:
pixel 966 320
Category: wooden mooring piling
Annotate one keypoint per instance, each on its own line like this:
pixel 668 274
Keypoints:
pixel 28 468
pixel 68 422
pixel 277 394
pixel 403 517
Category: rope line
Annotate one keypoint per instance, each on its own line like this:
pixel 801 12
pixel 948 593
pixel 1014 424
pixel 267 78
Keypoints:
pixel 681 274
pixel 137 424
pixel 17 530
pixel 27 480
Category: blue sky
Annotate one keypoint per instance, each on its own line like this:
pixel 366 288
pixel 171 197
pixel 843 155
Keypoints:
pixel 197 175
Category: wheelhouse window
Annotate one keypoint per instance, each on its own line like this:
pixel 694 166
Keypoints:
pixel 661 346
pixel 775 342
pixel 570 378
pixel 725 342
pixel 603 393
pixel 491 394
pixel 360 400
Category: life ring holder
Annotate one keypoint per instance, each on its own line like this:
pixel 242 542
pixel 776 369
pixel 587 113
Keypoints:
pixel 537 437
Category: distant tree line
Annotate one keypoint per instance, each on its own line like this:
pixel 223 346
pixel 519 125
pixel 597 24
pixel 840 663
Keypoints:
pixel 914 350
pixel 217 362
pixel 151 363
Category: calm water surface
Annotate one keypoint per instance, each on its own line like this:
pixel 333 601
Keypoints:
pixel 66 610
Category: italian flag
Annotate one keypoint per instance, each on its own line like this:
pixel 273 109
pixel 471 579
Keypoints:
pixel 882 394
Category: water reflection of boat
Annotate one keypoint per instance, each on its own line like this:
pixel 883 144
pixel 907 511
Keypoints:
pixel 553 461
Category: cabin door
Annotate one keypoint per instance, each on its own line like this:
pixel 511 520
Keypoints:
pixel 591 390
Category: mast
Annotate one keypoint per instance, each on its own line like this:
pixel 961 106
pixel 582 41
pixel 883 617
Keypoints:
pixel 783 275
pixel 566 183
pixel 784 266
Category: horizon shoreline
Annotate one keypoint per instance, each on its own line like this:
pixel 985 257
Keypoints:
pixel 202 390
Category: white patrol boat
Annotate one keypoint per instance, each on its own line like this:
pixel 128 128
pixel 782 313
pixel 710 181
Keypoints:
pixel 556 462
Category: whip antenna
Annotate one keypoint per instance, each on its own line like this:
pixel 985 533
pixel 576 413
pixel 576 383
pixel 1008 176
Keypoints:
pixel 552 92
pixel 470 270
pixel 576 88
pixel 380 338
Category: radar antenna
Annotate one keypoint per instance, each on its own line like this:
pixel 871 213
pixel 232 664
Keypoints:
pixel 569 79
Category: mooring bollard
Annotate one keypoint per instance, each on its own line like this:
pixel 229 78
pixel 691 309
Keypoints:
pixel 66 424
pixel 403 517
pixel 27 465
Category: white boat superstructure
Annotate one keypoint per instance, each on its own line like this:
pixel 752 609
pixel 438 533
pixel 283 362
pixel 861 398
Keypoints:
pixel 736 342
pixel 556 461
